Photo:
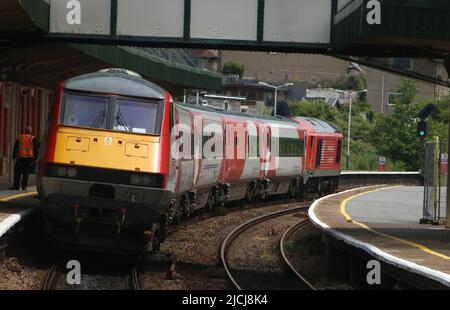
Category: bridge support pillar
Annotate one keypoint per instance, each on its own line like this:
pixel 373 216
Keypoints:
pixel 447 66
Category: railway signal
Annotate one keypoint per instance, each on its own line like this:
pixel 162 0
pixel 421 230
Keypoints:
pixel 425 112
pixel 422 130
pixel 422 124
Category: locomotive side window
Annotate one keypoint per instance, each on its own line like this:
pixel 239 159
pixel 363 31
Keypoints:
pixel 319 153
pixel 136 116
pixel 85 111
pixel 338 152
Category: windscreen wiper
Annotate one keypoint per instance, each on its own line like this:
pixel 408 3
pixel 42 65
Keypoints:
pixel 121 121
pixel 99 119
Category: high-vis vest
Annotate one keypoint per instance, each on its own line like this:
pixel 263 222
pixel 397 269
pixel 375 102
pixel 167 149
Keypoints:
pixel 25 146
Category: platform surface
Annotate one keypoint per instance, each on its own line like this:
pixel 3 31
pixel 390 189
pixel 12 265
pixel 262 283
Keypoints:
pixel 386 220
pixel 5 182
pixel 397 211
pixel 14 205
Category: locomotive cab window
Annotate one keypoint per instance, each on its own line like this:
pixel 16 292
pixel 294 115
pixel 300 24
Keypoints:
pixel 85 111
pixel 135 116
pixel 111 112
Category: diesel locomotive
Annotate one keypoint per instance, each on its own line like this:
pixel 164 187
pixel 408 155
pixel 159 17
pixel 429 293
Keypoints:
pixel 122 161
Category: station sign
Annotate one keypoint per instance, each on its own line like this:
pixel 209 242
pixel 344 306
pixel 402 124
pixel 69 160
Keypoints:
pixel 382 164
pixel 444 163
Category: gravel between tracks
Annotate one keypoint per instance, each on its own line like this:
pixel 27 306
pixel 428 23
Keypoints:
pixel 197 246
pixel 198 243
pixel 13 276
pixel 307 253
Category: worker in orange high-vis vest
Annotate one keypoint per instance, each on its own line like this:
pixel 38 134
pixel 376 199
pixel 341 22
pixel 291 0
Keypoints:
pixel 24 155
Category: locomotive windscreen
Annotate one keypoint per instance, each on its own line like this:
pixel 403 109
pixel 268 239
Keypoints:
pixel 110 113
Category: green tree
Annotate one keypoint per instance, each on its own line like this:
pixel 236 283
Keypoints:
pixel 233 68
pixel 374 135
pixel 320 110
pixel 395 136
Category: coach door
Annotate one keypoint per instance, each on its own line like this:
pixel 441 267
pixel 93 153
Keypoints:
pixel 265 147
pixel 197 146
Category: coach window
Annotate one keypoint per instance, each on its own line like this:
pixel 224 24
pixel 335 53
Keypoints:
pixel 205 139
pixel 181 147
pixel 282 147
pixel 213 147
pixel 258 150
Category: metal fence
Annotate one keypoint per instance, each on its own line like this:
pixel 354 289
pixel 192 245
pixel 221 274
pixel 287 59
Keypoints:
pixel 435 182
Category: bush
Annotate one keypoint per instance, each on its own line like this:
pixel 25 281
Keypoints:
pixel 233 68
pixel 352 82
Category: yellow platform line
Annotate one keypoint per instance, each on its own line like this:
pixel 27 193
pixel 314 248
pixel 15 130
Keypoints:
pixel 343 210
pixel 17 196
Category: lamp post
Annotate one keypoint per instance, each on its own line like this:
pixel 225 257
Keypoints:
pixel 276 93
pixel 347 164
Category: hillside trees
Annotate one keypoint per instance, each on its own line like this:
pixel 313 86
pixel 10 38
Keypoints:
pixel 374 135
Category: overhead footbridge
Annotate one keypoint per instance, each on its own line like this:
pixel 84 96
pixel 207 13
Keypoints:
pixel 362 31
pixel 375 28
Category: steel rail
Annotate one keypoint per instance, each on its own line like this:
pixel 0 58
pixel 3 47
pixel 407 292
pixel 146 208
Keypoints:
pixel 226 244
pixel 286 235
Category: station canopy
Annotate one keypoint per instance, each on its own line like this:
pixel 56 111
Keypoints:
pixel 27 56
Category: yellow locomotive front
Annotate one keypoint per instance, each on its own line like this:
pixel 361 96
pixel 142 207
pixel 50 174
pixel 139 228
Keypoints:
pixel 104 170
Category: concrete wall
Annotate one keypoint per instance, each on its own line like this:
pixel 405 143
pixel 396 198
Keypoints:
pixel 280 68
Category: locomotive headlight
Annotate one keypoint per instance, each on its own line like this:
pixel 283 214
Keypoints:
pixel 61 171
pixel 72 172
pixel 135 179
pixel 145 180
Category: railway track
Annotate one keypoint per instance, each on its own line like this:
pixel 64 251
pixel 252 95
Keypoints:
pixel 51 277
pixel 134 281
pixel 51 280
pixel 285 237
pixel 283 261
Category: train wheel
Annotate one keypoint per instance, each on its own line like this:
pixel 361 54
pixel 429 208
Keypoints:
pixel 292 192
pixel 212 200
pixel 251 193
pixel 301 191
pixel 186 206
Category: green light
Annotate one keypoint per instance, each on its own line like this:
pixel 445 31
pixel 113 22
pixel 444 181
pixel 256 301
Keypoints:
pixel 422 133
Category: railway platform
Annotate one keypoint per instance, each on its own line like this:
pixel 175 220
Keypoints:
pixel 383 222
pixel 5 183
pixel 15 205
